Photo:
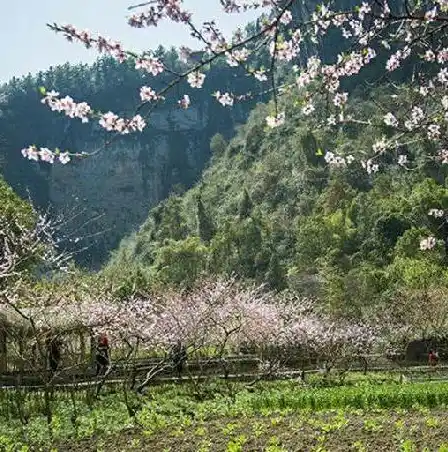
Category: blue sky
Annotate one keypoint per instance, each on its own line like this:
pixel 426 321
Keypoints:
pixel 27 45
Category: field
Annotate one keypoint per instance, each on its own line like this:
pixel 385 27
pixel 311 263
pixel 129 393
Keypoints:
pixel 337 430
pixel 373 412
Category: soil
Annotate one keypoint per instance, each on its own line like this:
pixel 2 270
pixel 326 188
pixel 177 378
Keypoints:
pixel 378 431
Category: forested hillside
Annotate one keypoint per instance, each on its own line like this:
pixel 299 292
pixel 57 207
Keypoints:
pixel 271 208
pixel 268 208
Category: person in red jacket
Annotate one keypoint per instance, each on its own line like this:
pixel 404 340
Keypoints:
pixel 102 354
pixel 433 358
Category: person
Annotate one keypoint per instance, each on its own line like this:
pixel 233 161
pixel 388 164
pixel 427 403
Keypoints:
pixel 433 358
pixel 54 346
pixel 102 354
pixel 179 357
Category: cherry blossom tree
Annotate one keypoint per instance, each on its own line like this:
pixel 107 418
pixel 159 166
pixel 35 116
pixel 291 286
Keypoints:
pixel 214 320
pixel 307 337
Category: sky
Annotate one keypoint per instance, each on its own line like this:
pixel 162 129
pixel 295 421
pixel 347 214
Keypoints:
pixel 27 45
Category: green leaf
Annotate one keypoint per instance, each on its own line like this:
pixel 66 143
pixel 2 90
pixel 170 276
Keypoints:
pixel 42 90
pixel 319 152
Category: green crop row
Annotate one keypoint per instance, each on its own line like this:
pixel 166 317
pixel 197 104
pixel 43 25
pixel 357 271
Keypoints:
pixel 74 415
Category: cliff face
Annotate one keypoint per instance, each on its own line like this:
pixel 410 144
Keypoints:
pixel 108 195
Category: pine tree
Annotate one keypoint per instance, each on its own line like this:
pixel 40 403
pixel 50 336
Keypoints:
pixel 206 228
pixel 275 276
pixel 246 205
pixel 218 145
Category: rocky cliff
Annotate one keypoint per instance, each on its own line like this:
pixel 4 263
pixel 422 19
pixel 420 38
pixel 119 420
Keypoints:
pixel 108 195
pixel 125 179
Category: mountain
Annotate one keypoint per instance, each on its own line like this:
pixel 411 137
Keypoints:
pixel 107 196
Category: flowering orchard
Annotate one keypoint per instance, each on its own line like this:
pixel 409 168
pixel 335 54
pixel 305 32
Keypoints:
pixel 403 33
pixel 216 318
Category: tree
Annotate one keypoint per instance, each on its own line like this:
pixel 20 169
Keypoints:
pixel 27 241
pixel 206 229
pixel 362 25
pixel 245 207
pixel 180 262
pixel 403 128
pixel 275 276
pixel 12 208
pixel 218 145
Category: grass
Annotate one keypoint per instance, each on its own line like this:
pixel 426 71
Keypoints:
pixel 367 413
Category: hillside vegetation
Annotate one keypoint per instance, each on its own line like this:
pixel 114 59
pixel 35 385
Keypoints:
pixel 269 208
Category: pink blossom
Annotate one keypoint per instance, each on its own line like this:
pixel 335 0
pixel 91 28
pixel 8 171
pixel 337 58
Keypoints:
pixel 370 166
pixel 308 109
pixel 237 56
pixel 423 90
pixel 68 106
pixel 427 243
pixel 390 120
pixel 260 75
pixel 368 28
pixel 442 76
pixel 184 102
pixel 331 120
pixel 393 62
pixel 137 123
pixel 108 121
pixel 442 55
pixel 443 156
pixel 430 56
pixel 150 64
pixel 147 94
pixel 50 97
pixel 164 9
pixel 111 122
pixel 303 80
pixel 184 54
pixel 286 18
pixel 46 155
pixel 364 10
pixel 64 157
pixel 431 14
pixel 337 160
pixel 340 99
pixel 444 102
pixel 275 121
pixel 380 146
pixel 31 153
pixel 224 99
pixel 433 131
pixel 286 50
pixel 196 79
pixel 402 159
pixel 436 213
